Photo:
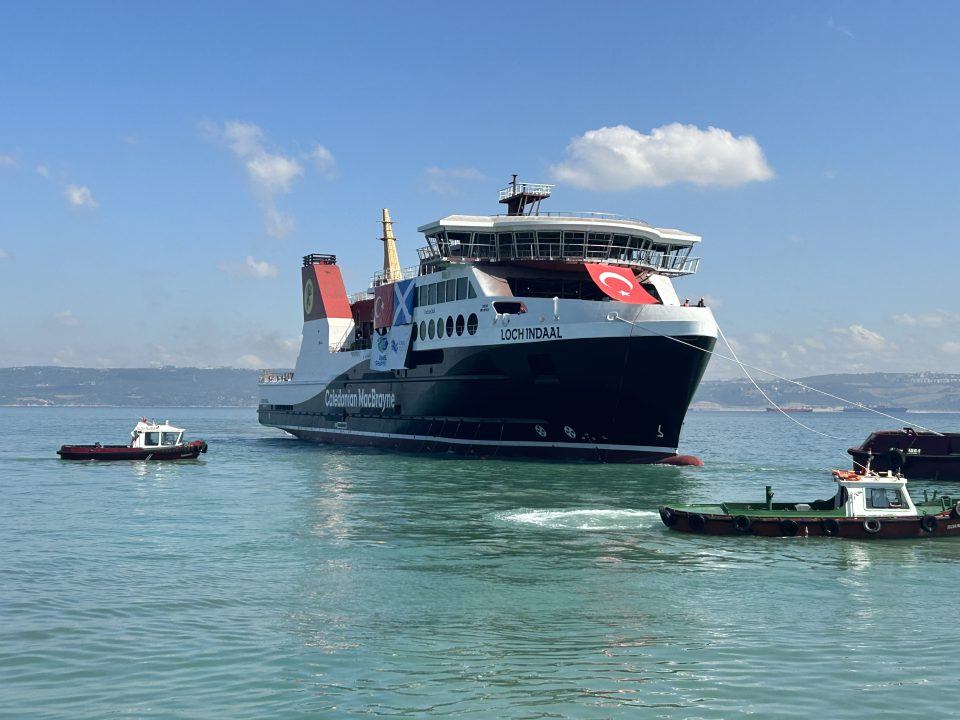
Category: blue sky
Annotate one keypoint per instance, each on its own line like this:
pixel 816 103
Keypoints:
pixel 163 166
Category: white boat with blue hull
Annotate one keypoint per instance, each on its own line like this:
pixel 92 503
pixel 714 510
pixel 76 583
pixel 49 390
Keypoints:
pixel 525 334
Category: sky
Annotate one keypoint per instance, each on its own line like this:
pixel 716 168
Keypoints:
pixel 164 166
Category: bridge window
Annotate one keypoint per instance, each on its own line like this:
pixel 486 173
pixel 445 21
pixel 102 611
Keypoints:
pixel 462 288
pixel 471 293
pixel 432 294
pixel 548 243
pixel 882 498
pixel 524 244
pixel 573 244
pixel 451 290
pixel 441 292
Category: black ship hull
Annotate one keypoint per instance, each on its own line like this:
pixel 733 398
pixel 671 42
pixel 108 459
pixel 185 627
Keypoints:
pixel 601 399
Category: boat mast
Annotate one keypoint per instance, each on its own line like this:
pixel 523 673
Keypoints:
pixel 391 261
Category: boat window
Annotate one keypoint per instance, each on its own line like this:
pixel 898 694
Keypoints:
pixel 169 438
pixel 505 244
pixel 460 324
pixel 573 244
pixel 423 329
pixel 549 243
pixel 879 498
pixel 525 245
pixel 432 294
pixel 451 290
pixel 472 324
pixel 431 329
pixel 450 326
pixel 471 293
pixel 422 295
pixel 441 292
pixel 461 288
pixel 151 438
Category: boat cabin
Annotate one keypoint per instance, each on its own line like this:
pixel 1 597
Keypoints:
pixel 151 434
pixel 873 495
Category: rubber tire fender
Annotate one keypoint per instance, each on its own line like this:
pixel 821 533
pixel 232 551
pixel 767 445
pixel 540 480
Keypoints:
pixel 790 528
pixel 928 523
pixel 741 523
pixel 872 525
pixel 897 459
pixel 830 527
pixel 697 522
pixel 955 511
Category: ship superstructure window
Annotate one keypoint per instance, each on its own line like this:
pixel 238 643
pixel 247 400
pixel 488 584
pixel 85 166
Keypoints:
pixel 571 288
pixel 151 438
pixel 472 324
pixel 423 329
pixel 450 327
pixel 446 291
pixel 460 325
pixel 169 438
pixel 431 329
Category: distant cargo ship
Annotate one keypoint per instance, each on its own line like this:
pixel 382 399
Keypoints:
pixel 555 335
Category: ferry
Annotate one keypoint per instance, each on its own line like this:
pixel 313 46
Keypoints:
pixel 529 334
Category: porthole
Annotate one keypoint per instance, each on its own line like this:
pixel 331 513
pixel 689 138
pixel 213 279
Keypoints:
pixel 413 333
pixel 460 324
pixel 423 329
pixel 472 324
pixel 450 326
pixel 431 329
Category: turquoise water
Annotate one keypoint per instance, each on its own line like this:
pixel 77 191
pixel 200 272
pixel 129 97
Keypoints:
pixel 277 578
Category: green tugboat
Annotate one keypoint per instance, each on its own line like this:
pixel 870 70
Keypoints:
pixel 866 506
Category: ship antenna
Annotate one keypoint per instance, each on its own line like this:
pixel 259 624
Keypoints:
pixel 391 261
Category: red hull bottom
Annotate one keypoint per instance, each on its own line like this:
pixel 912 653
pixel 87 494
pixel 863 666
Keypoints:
pixel 191 451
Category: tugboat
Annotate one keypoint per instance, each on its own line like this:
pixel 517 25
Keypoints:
pixel 915 454
pixel 555 335
pixel 866 506
pixel 150 440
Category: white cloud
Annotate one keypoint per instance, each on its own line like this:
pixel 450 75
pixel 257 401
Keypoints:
pixel 3 254
pixel 270 173
pixel 251 361
pixel 43 171
pixel 862 337
pixel 323 161
pixel 621 158
pixel 843 30
pixel 447 181
pixel 934 319
pixel 7 161
pixel 950 348
pixel 251 267
pixel 80 196
pixel 66 318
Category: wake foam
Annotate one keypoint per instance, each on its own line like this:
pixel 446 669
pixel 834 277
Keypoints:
pixel 583 519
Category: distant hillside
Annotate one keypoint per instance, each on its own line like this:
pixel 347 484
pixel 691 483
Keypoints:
pixel 134 387
pixel 914 391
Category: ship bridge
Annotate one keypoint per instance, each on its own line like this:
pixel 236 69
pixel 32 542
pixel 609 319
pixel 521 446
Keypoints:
pixel 558 237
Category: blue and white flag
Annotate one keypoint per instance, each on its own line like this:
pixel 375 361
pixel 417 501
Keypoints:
pixel 403 291
pixel 389 351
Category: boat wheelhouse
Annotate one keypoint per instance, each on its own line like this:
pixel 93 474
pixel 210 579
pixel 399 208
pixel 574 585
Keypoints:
pixel 530 333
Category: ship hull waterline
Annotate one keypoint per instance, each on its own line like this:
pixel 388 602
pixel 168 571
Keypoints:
pixel 615 399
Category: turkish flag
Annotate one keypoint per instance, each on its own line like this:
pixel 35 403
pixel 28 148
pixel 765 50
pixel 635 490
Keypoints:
pixel 619 283
pixel 383 306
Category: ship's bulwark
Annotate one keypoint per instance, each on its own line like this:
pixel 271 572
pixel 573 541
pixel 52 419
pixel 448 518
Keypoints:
pixel 619 399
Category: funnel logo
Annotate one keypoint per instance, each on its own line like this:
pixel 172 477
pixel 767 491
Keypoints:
pixel 308 293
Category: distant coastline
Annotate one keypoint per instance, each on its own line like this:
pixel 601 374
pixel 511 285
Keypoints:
pixel 186 387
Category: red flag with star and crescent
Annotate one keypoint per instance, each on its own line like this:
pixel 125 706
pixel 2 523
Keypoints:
pixel 619 283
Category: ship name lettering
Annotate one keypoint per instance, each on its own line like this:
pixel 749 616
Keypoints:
pixel 359 399
pixel 531 333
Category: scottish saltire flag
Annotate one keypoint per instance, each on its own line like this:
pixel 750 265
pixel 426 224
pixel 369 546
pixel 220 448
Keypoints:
pixel 403 302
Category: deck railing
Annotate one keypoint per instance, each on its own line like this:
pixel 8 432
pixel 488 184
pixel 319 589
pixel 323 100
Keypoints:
pixel 673 263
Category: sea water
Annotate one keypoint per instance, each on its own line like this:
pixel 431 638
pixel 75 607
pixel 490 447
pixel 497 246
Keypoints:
pixel 275 578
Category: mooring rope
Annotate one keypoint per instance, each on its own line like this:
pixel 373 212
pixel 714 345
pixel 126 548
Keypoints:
pixel 744 366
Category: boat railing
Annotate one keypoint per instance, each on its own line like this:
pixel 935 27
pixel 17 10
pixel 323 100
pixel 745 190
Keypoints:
pixel 382 277
pixel 672 263
pixel 578 215
pixel 525 188
pixel 357 297
pixel 275 376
